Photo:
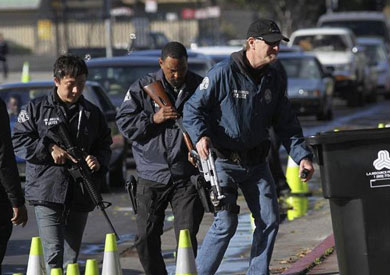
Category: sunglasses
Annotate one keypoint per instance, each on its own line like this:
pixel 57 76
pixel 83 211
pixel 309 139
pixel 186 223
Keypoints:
pixel 272 44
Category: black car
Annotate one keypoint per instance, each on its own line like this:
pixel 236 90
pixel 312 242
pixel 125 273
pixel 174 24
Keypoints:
pixel 19 94
pixel 116 74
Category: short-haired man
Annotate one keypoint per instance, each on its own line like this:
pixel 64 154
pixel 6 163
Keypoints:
pixel 232 111
pixel 161 156
pixel 61 207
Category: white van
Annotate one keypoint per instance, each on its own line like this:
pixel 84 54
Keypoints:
pixel 336 49
pixel 362 23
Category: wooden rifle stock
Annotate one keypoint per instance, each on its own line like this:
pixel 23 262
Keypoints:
pixel 156 92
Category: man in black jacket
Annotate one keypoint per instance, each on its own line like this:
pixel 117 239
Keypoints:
pixel 161 156
pixel 13 210
pixel 61 205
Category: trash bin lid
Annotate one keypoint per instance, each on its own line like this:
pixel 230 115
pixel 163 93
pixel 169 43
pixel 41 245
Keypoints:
pixel 349 135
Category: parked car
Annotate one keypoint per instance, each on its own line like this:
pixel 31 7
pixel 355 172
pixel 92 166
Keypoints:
pixel 310 87
pixel 191 54
pixel 217 53
pixel 337 50
pixel 379 61
pixel 149 40
pixel 116 74
pixel 16 95
pixel 362 23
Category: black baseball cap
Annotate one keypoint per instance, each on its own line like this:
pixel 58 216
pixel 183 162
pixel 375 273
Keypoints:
pixel 267 30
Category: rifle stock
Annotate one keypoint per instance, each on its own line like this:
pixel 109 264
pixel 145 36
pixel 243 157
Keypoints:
pixel 156 92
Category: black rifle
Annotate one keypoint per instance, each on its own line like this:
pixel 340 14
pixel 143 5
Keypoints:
pixel 81 172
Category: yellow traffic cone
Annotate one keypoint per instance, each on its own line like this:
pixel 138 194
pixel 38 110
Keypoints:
pixel 185 263
pixel 36 264
pixel 253 225
pixel 299 206
pixel 297 186
pixel 111 264
pixel 299 189
pixel 26 72
pixel 56 271
pixel 73 269
pixel 91 267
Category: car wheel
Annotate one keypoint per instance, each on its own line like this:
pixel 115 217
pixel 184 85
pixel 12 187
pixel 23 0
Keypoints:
pixel 329 114
pixel 354 97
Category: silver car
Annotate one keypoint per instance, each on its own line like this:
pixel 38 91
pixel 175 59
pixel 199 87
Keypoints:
pixel 310 87
pixel 375 49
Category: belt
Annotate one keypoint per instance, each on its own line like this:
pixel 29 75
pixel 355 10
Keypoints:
pixel 252 156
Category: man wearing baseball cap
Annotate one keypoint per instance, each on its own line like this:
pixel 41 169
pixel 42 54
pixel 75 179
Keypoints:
pixel 231 113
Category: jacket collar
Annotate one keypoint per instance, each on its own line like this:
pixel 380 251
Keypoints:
pixel 52 101
pixel 188 88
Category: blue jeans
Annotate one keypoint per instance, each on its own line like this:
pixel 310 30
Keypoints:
pixel 61 234
pixel 258 189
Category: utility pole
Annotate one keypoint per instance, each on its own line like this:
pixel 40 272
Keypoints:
pixel 107 25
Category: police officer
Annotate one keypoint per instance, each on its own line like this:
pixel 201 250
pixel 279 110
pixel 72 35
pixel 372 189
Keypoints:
pixel 231 111
pixel 61 207
pixel 160 155
pixel 13 210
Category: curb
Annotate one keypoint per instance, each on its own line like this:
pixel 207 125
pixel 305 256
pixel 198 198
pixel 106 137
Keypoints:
pixel 301 266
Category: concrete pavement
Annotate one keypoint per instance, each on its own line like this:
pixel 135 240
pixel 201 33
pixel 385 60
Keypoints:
pixel 296 241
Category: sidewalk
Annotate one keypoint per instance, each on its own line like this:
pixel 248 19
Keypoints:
pixel 296 247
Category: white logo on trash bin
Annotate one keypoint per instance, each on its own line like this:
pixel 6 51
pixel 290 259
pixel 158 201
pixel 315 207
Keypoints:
pixel 380 177
pixel 383 160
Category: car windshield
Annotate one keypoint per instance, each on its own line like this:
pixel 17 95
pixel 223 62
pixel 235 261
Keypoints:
pixel 116 80
pixel 361 28
pixel 321 42
pixel 375 52
pixel 304 68
pixel 16 98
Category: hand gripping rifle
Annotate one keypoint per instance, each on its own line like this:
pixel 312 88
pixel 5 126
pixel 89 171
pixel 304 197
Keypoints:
pixel 211 192
pixel 81 172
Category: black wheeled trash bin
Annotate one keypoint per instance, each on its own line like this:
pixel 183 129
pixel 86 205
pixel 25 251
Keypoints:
pixel 355 175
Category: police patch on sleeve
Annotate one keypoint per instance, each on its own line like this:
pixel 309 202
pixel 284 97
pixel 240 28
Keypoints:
pixel 127 97
pixel 23 116
pixel 205 83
